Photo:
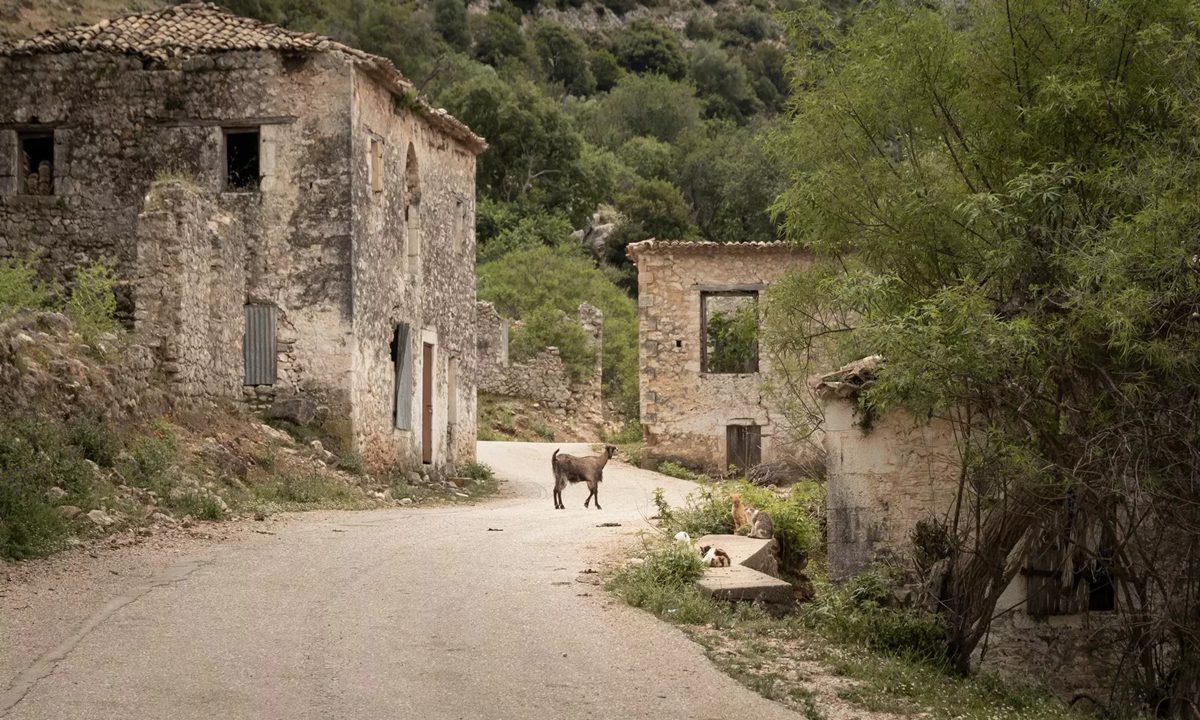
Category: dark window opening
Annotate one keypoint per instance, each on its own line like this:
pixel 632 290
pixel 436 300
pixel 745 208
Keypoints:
pixel 1055 588
pixel 729 325
pixel 241 159
pixel 678 343
pixel 743 446
pixel 37 163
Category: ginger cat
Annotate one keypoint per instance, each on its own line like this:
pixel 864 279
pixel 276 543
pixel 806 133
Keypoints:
pixel 739 512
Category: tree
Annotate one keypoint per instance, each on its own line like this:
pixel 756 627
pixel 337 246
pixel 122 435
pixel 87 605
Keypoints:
pixel 641 105
pixel 564 57
pixel 498 38
pixel 649 158
pixel 722 81
pixel 605 69
pixel 644 46
pixel 535 155
pixel 650 209
pixel 450 21
pixel 730 180
pixel 1005 197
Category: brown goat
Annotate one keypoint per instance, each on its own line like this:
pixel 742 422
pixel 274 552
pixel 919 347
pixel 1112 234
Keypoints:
pixel 571 469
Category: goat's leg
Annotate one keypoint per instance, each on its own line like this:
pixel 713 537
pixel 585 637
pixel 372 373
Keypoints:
pixel 558 502
pixel 589 497
pixel 596 494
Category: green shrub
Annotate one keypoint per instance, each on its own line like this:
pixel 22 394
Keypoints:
pixel 478 472
pixel 550 327
pixel 35 456
pixel 92 305
pixel 862 611
pixel 676 470
pixel 663 585
pixel 308 489
pixel 709 510
pixel 630 432
pixel 644 46
pixel 20 288
pixel 95 441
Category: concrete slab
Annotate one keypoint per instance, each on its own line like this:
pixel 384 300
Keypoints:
pixel 754 553
pixel 742 583
pixel 754 575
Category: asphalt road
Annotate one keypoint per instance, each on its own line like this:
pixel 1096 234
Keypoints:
pixel 408 613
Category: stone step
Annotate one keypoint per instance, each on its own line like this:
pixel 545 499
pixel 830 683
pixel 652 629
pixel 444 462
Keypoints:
pixel 754 553
pixel 743 584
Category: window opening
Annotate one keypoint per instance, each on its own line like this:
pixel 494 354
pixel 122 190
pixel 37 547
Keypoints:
pixel 729 325
pixel 37 163
pixel 412 202
pixel 376 166
pixel 242 159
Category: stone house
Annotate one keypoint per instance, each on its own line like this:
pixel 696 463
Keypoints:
pixel 290 222
pixel 884 480
pixel 705 389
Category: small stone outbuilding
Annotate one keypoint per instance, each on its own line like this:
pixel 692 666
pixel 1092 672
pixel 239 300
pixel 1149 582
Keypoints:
pixel 705 400
pixel 291 224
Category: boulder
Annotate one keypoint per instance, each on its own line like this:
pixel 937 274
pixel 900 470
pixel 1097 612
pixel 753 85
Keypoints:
pixel 295 409
pixel 100 518
pixel 229 464
pixel 70 512
pixel 55 493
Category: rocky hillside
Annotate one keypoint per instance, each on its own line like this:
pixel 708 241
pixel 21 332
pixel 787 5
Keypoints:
pixel 91 449
pixel 19 18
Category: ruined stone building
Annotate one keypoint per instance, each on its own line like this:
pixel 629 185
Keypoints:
pixel 543 378
pixel 704 385
pixel 887 479
pixel 290 222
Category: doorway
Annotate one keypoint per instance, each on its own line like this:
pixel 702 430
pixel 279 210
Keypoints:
pixel 743 446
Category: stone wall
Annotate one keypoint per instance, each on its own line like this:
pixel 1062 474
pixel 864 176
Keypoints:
pixel 542 378
pixel 685 411
pixel 413 263
pixel 883 481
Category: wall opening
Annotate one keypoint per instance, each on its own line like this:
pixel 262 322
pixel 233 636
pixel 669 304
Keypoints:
pixel 729 332
pixel 427 404
pixel 376 165
pixel 743 446
pixel 412 204
pixel 36 153
pixel 259 346
pixel 242 170
pixel 402 375
pixel 1057 585
pixel 452 392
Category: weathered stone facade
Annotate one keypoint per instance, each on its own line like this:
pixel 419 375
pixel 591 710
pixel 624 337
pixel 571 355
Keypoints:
pixel 361 217
pixel 543 378
pixel 883 481
pixel 686 411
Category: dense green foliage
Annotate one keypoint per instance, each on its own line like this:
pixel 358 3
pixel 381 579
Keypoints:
pixel 90 302
pixel 1004 194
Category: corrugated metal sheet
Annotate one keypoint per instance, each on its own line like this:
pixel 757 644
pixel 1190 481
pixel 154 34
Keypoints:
pixel 404 378
pixel 258 345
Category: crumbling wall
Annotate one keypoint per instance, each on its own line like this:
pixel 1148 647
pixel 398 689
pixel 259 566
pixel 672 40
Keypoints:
pixel 543 378
pixel 685 411
pixel 881 482
pixel 884 480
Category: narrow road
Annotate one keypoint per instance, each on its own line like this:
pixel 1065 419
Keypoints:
pixel 458 612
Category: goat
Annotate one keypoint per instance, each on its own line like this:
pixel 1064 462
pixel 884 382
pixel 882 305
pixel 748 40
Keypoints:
pixel 571 469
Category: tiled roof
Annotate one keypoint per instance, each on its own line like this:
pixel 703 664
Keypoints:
pixel 848 380
pixel 707 247
pixel 199 28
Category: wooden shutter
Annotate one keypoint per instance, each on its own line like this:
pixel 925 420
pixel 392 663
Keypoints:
pixel 258 345
pixel 403 358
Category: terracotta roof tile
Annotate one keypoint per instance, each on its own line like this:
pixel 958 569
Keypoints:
pixel 198 28
pixel 705 246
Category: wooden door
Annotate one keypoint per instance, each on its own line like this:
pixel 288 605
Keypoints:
pixel 743 446
pixel 427 405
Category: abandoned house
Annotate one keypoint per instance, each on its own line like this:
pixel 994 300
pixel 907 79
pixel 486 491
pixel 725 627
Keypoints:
pixel 703 382
pixel 887 480
pixel 290 223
